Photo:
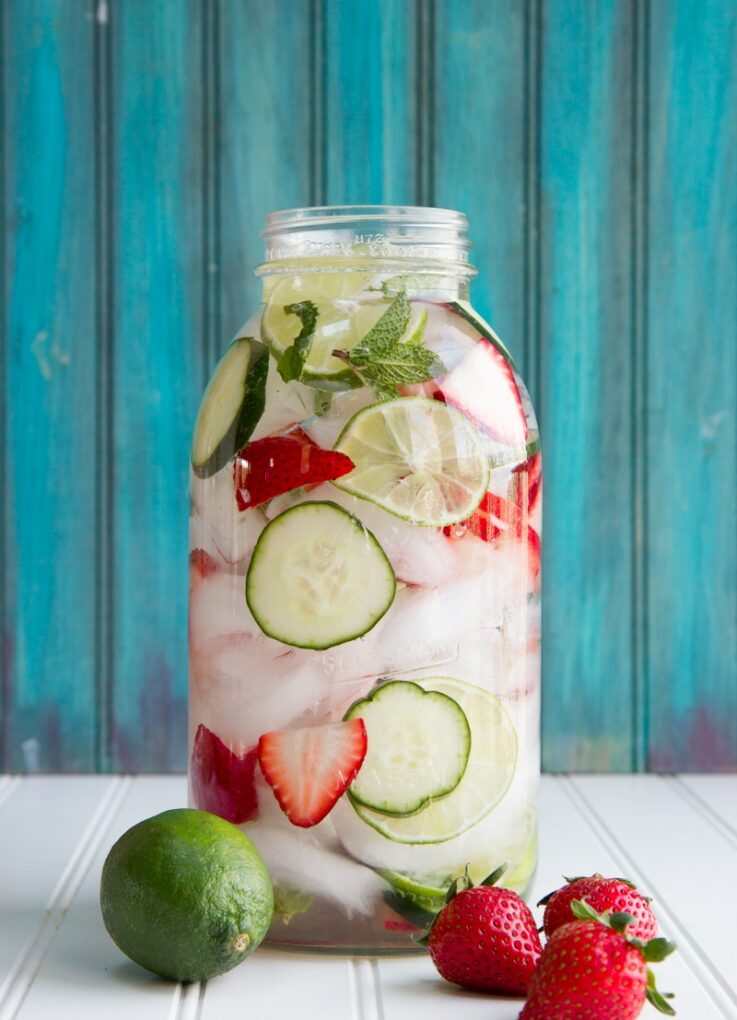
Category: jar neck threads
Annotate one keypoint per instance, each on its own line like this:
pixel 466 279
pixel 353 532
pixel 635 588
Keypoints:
pixel 343 238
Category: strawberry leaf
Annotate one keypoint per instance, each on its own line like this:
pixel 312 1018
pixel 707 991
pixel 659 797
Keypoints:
pixel 494 877
pixel 620 921
pixel 460 885
pixel 291 364
pixel 581 910
pixel 656 950
pixel 656 998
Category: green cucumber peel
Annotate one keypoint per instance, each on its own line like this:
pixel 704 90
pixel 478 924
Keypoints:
pixel 252 402
pixel 359 793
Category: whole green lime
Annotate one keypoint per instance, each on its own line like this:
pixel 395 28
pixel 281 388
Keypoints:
pixel 186 895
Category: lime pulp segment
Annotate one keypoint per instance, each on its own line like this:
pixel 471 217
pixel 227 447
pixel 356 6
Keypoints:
pixel 346 313
pixel 417 458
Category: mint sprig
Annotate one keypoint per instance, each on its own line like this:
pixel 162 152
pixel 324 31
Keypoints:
pixel 291 364
pixel 383 361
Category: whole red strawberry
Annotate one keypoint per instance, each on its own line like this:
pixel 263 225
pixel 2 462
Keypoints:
pixel 591 970
pixel 485 938
pixel 612 894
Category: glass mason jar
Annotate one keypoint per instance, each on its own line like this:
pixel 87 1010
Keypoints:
pixel 365 581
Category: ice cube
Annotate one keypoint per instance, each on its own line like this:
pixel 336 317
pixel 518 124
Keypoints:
pixel 217 521
pixel 287 403
pixel 489 839
pixel 300 860
pixel 325 429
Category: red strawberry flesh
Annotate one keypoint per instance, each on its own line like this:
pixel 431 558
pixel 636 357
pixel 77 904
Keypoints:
pixel 310 768
pixel 483 386
pixel 498 519
pixel 587 971
pixel 602 894
pixel 201 565
pixel 223 781
pixel 530 472
pixel 486 939
pixel 274 465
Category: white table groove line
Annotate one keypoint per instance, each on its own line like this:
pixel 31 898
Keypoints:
pixel 709 977
pixel 188 1001
pixel 57 960
pixel 31 957
pixel 8 786
pixel 707 812
pixel 366 989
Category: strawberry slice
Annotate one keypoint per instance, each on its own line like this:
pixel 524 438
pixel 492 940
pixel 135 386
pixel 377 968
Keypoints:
pixel 483 386
pixel 201 565
pixel 498 519
pixel 532 469
pixel 223 782
pixel 268 467
pixel 309 769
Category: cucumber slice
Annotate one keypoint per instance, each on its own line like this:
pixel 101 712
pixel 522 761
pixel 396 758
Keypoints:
pixel 418 746
pixel 489 771
pixel 231 407
pixel 318 577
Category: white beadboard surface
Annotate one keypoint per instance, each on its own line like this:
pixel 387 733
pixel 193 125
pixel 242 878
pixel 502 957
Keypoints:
pixel 57 962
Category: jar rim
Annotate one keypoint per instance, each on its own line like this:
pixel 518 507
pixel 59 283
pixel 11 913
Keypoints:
pixel 396 233
pixel 321 215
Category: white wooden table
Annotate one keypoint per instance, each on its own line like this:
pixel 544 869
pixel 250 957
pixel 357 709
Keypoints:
pixel 57 962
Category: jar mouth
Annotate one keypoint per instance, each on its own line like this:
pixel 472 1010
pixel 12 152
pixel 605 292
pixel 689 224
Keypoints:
pixel 431 237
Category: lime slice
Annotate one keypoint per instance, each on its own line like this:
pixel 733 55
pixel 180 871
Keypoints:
pixel 426 897
pixel 346 312
pixel 489 771
pixel 418 458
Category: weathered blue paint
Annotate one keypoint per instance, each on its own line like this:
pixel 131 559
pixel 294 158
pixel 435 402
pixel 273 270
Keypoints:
pixel 483 104
pixel 691 372
pixel 266 126
pixel 586 382
pixel 368 102
pixel 49 388
pixel 594 148
pixel 157 368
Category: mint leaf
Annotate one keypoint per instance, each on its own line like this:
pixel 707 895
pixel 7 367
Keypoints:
pixel 290 902
pixel 383 360
pixel 323 400
pixel 291 364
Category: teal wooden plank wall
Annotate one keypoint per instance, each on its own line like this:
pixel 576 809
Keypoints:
pixel 593 144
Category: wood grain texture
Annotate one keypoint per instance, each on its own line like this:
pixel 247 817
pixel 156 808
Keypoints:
pixel 692 387
pixel 266 125
pixel 482 105
pixel 369 139
pixel 594 148
pixel 48 538
pixel 586 380
pixel 158 323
